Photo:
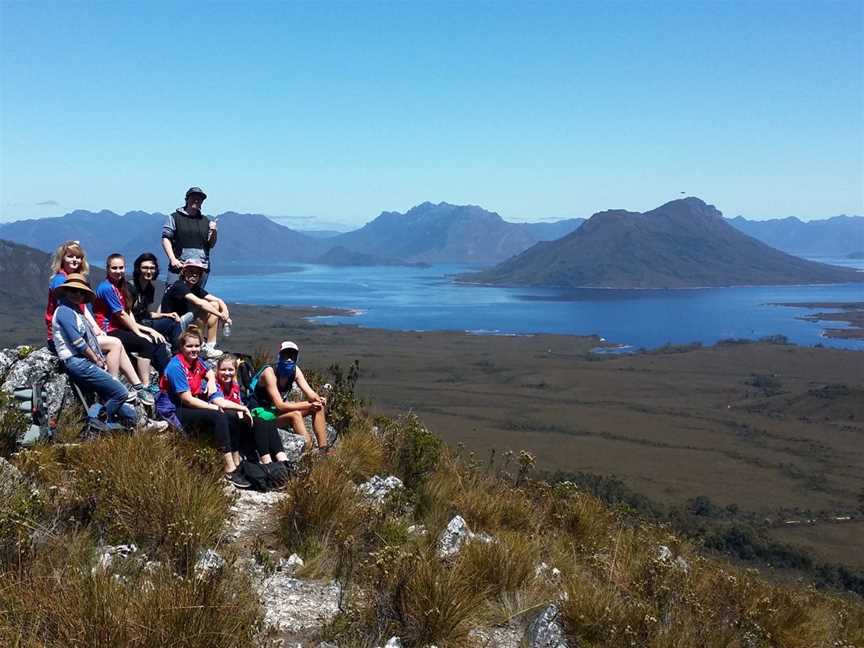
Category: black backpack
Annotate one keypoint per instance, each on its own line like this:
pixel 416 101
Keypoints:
pixel 265 477
pixel 246 371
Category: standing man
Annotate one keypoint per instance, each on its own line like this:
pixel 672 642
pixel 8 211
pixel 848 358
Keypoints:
pixel 188 234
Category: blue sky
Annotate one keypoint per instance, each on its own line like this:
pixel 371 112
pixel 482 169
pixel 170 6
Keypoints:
pixel 335 111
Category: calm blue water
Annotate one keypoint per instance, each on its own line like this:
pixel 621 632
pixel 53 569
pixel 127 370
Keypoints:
pixel 424 299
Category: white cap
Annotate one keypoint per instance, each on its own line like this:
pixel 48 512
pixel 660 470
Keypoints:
pixel 288 344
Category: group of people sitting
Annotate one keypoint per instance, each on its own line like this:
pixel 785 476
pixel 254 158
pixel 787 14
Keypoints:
pixel 97 334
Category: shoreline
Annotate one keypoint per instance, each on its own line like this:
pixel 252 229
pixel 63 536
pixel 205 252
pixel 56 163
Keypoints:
pixel 852 313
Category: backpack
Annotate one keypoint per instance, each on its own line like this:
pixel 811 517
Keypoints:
pixel 265 477
pixel 246 373
pixel 31 401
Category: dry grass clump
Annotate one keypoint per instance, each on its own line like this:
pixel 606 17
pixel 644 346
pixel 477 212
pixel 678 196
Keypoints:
pixel 161 493
pixel 508 564
pixel 158 493
pixel 322 509
pixel 487 503
pixel 59 599
pixel 361 454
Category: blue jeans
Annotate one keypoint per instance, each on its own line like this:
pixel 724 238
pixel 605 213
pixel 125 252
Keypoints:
pixel 110 390
pixel 169 328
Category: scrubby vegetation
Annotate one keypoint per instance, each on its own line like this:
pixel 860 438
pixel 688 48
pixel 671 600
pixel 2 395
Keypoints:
pixel 619 580
pixel 620 573
pixel 163 495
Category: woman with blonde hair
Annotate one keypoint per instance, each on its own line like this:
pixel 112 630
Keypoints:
pixel 70 258
pixel 195 400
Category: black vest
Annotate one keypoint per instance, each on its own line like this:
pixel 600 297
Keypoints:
pixel 190 232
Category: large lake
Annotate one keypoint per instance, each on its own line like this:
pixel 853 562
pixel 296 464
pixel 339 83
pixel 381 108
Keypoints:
pixel 425 299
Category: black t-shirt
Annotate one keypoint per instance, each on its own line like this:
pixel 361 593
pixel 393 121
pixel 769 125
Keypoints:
pixel 141 301
pixel 175 300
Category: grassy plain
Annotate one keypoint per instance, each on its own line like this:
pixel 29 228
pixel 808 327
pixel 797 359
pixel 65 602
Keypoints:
pixel 775 430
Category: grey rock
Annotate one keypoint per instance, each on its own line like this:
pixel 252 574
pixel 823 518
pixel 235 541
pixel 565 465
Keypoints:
pixel 105 556
pixel 453 537
pixel 393 642
pixel 11 480
pixel 376 489
pixel 664 553
pixel 39 365
pixel 545 631
pixel 208 561
pixel 290 564
pixel 294 445
pixel 8 357
pixel 297 606
pixel 327 644
pixel 416 530
pixel 250 512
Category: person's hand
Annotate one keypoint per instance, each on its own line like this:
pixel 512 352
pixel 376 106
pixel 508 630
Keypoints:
pixel 175 265
pixel 173 316
pixel 156 336
pixel 213 225
pixel 101 363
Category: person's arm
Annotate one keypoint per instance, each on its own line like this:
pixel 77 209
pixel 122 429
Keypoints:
pixel 66 320
pixel 188 400
pixel 140 330
pixel 168 230
pixel 310 393
pixel 212 233
pixel 271 384
pixel 207 305
pixel 221 305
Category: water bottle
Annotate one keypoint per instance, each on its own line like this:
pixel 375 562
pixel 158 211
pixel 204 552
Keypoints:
pixel 226 330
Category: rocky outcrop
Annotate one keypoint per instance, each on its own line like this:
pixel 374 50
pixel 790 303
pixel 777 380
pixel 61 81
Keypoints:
pixel 546 631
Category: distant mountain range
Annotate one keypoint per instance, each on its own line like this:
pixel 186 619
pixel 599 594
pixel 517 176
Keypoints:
pixel 838 236
pixel 684 243
pixel 427 233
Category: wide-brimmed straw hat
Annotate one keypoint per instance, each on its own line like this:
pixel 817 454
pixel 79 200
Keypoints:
pixel 76 281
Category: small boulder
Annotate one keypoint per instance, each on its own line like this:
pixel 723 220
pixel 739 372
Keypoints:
pixel 453 537
pixel 545 630
pixel 208 560
pixel 11 480
pixel 105 556
pixel 377 488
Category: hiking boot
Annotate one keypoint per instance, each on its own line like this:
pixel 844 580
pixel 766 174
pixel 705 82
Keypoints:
pixel 237 480
pixel 146 397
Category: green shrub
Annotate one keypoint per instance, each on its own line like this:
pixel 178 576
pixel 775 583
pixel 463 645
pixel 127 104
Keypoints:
pixel 413 451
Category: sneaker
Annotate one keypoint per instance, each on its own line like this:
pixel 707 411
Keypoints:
pixel 132 396
pixel 238 480
pixel 210 351
pixel 152 426
pixel 146 397
pixel 153 388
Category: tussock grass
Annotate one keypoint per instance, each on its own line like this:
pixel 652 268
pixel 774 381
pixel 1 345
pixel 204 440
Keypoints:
pixel 321 509
pixel 361 454
pixel 60 600
pixel 436 604
pixel 154 492
pixel 164 494
pixel 506 565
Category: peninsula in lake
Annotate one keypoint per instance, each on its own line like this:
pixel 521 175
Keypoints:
pixel 685 243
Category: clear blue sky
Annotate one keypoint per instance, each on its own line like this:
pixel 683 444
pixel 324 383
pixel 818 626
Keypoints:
pixel 339 110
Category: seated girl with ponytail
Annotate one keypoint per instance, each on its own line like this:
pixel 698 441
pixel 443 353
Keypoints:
pixel 267 447
pixel 195 399
pixel 267 403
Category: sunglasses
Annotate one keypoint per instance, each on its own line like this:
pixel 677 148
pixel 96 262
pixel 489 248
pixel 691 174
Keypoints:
pixel 76 291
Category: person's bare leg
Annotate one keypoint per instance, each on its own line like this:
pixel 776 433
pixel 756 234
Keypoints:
pixel 126 367
pixel 265 458
pixel 295 420
pixel 228 460
pixel 212 329
pixel 319 424
pixel 112 348
pixel 144 371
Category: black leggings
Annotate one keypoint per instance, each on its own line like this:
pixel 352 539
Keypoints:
pixel 228 430
pixel 267 439
pixel 157 353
